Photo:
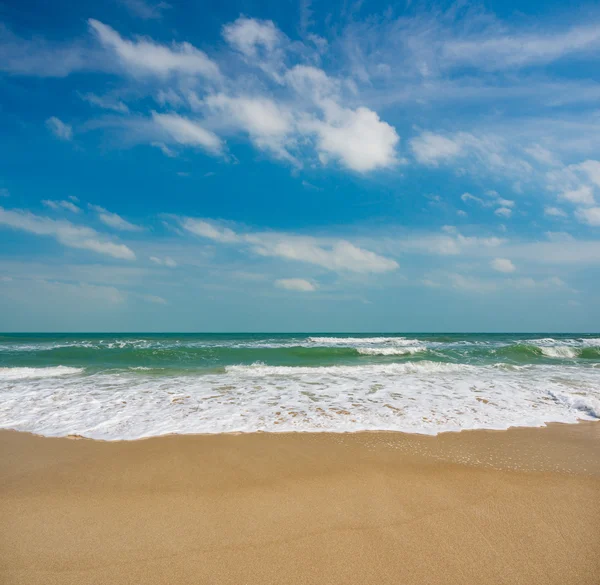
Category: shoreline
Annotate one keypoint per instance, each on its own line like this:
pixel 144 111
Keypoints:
pixel 489 507
pixel 77 437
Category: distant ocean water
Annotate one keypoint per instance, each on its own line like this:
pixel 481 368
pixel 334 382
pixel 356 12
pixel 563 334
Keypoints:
pixel 129 386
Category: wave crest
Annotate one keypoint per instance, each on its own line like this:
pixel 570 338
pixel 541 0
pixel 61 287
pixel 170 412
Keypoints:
pixel 28 373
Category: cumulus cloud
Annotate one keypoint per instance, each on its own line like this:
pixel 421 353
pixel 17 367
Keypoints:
pixel 248 35
pixel 113 220
pixel 357 138
pixel 269 125
pixel 591 168
pixel 502 265
pixel 65 232
pixel 298 284
pixel 332 254
pixel 582 196
pixel 56 205
pixel 145 57
pixel 589 216
pixel 59 128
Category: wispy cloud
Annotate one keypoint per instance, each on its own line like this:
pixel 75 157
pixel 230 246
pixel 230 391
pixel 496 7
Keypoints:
pixel 297 284
pixel 166 261
pixel 64 204
pixel 113 220
pixel 332 254
pixel 65 232
pixel 146 10
pixel 145 57
pixel 187 132
pixel 59 128
pixel 106 103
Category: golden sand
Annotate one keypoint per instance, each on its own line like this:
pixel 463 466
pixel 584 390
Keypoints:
pixel 513 507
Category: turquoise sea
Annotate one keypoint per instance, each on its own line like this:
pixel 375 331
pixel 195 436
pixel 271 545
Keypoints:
pixel 126 386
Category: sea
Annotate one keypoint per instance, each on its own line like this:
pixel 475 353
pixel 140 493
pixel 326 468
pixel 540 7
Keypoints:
pixel 131 386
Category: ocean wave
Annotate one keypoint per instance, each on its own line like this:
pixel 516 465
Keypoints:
pixel 389 350
pixel 418 396
pixel 560 351
pixel 259 369
pixel 362 340
pixel 27 373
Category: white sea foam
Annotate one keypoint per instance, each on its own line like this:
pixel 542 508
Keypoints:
pixel 28 373
pixel 353 341
pixel 560 351
pixel 389 350
pixel 423 397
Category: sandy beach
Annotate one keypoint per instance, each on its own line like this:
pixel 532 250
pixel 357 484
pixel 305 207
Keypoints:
pixel 517 506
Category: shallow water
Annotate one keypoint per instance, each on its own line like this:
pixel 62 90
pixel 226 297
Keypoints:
pixel 129 386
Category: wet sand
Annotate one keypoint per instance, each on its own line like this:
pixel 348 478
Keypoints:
pixel 478 507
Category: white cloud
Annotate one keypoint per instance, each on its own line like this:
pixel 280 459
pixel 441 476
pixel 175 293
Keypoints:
pixel 430 148
pixel 357 138
pixel 56 205
pixel 164 149
pixel 478 153
pixel 452 243
pixel 554 212
pixel 166 261
pixel 504 202
pixel 247 35
pixel 482 285
pixel 106 103
pixel 520 49
pixel 312 83
pixel 468 197
pixel 187 132
pixel 560 237
pixel 589 216
pixel 542 155
pixel 332 254
pixel 471 283
pixel 502 265
pixel 113 220
pixel 591 168
pixel 145 57
pixel 339 255
pixel 59 128
pixel 211 231
pixel 298 284
pixel 582 196
pixel 268 124
pixel 146 10
pixel 503 212
pixel 154 299
pixel 64 232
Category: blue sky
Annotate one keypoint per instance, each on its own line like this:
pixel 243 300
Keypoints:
pixel 299 166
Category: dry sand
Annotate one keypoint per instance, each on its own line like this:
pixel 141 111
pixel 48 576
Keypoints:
pixel 520 506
